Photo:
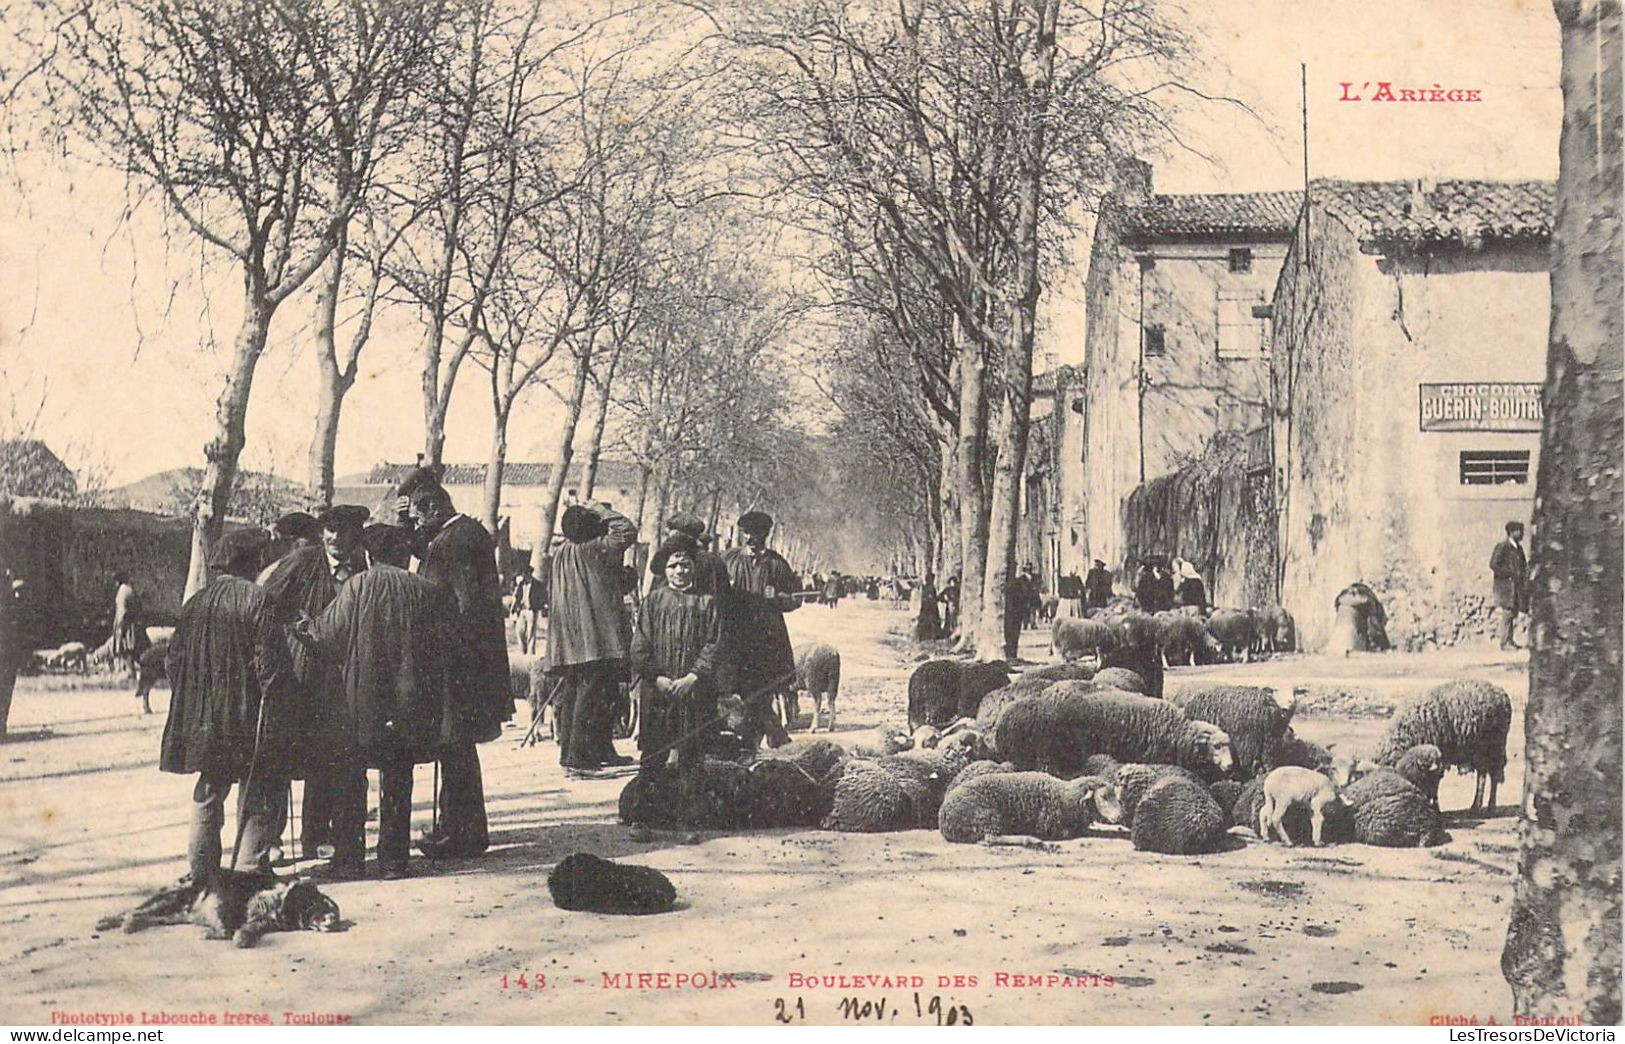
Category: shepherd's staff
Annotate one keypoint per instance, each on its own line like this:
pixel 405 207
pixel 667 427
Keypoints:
pixel 248 781
pixel 535 729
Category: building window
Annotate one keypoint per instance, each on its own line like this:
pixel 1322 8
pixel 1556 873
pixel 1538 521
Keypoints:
pixel 1156 340
pixel 1240 335
pixel 1494 467
pixel 1241 259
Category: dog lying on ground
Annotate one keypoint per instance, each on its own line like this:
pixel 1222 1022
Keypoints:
pixel 235 905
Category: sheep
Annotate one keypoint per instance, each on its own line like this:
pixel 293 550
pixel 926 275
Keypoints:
pixel 656 800
pixel 818 674
pixel 1386 809
pixel 1467 720
pixel 584 882
pixel 1137 650
pixel 995 703
pixel 1117 801
pixel 977 769
pixel 818 758
pixel 1056 731
pixel 891 741
pixel 1183 641
pixel 67 656
pixel 1275 630
pixel 1103 765
pixel 1000 807
pixel 1225 792
pixel 1244 809
pixel 151 667
pixel 1120 678
pixel 1071 638
pixel 1254 717
pixel 783 794
pixel 924 738
pixel 1232 630
pixel 1423 766
pixel 1057 672
pixel 868 799
pixel 1292 786
pixel 940 691
pixel 1293 750
pixel 1047 605
pixel 1177 816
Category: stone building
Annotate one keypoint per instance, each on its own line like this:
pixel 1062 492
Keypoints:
pixel 1409 342
pixel 1175 349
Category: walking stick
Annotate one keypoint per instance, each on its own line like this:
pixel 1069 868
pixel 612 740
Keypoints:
pixel 434 801
pixel 248 782
pixel 532 734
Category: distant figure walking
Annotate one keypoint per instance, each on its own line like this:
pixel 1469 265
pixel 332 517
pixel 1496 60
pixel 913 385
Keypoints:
pixel 129 625
pixel 928 625
pixel 1510 569
pixel 950 606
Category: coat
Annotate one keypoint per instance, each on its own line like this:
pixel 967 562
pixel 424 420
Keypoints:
pixel 129 629
pixel 586 613
pixel 229 655
pixel 389 635
pixel 461 558
pixel 1510 568
pixel 679 632
pixel 1097 588
pixel 303 581
pixel 758 643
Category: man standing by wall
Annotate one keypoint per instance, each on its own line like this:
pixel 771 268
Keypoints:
pixel 1511 572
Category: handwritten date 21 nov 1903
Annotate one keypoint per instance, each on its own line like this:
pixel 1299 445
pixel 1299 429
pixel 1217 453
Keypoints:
pixel 880 1010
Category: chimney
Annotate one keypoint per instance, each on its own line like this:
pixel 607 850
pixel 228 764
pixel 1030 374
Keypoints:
pixel 1131 181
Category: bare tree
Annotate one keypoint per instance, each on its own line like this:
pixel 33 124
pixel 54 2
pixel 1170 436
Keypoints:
pixel 1562 954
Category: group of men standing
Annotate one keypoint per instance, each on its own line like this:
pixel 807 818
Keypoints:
pixel 335 659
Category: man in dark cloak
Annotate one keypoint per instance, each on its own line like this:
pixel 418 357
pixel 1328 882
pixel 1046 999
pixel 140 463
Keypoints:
pixel 588 634
pixel 233 711
pixel 1097 586
pixel 1509 572
pixel 457 553
pixel 758 643
pixel 389 635
pixel 306 580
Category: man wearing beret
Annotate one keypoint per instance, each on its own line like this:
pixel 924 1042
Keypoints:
pixel 231 687
pixel 763 586
pixel 305 582
pixel 457 553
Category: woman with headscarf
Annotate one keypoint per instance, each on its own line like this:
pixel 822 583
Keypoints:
pixel 1192 592
pixel 129 629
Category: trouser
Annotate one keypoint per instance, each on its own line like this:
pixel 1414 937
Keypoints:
pixel 324 789
pixel 345 789
pixel 462 796
pixel 259 806
pixel 8 683
pixel 525 629
pixel 395 813
pixel 1507 618
pixel 585 710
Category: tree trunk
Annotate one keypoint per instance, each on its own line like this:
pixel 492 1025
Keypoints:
pixel 494 468
pixel 561 470
pixel 973 519
pixel 595 438
pixel 643 495
pixel 222 451
pixel 1562 954
pixel 333 383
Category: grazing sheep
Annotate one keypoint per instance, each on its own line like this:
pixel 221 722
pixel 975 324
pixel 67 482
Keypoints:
pixel 1183 641
pixel 867 800
pixel 1117 801
pixel 583 882
pixel 1423 766
pixel 976 769
pixel 1275 630
pixel 1071 638
pixel 1254 717
pixel 1386 809
pixel 67 656
pixel 1292 786
pixel 1055 732
pixel 1177 816
pixel 1232 630
pixel 941 691
pixel 1467 720
pixel 1057 672
pixel 1001 807
pixel 1120 678
pixel 818 674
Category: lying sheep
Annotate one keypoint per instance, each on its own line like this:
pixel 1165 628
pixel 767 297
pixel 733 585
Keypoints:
pixel 783 794
pixel 1423 766
pixel 1294 750
pixel 1120 678
pixel 1183 641
pixel 1103 765
pixel 1225 792
pixel 1178 816
pixel 1117 801
pixel 818 674
pixel 1467 720
pixel 941 691
pixel 1055 732
pixel 1056 672
pixel 1254 717
pixel 1232 630
pixel 656 800
pixel 891 741
pixel 1008 807
pixel 1072 638
pixel 1290 787
pixel 1386 809
pixel 817 758
pixel 975 769
pixel 867 799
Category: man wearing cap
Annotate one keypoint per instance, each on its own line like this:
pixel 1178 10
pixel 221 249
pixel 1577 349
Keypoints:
pixel 762 583
pixel 231 698
pixel 306 581
pixel 588 634
pixel 710 576
pixel 457 553
pixel 389 633
pixel 1509 571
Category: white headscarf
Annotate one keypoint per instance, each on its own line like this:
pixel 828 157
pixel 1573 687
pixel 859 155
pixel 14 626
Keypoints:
pixel 1188 571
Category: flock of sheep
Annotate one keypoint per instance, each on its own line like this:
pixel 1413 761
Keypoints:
pixel 1056 750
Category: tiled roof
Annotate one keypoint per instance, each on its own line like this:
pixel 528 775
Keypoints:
pixel 1262 215
pixel 514 473
pixel 1445 213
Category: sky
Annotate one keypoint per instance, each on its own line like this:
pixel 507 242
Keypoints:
pixel 112 340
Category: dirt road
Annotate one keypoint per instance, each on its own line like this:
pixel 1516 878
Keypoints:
pixel 1088 931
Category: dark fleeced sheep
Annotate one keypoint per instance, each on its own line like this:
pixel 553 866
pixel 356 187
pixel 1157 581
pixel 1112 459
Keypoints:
pixel 1423 766
pixel 1055 732
pixel 1294 750
pixel 1467 720
pixel 1026 804
pixel 1103 765
pixel 585 883
pixel 656 800
pixel 1225 792
pixel 995 703
pixel 783 794
pixel 1274 630
pixel 1254 717
pixel 867 800
pixel 943 691
pixel 1233 630
pixel 1178 816
pixel 1386 809
pixel 1117 801
pixel 1137 650
pixel 1184 641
